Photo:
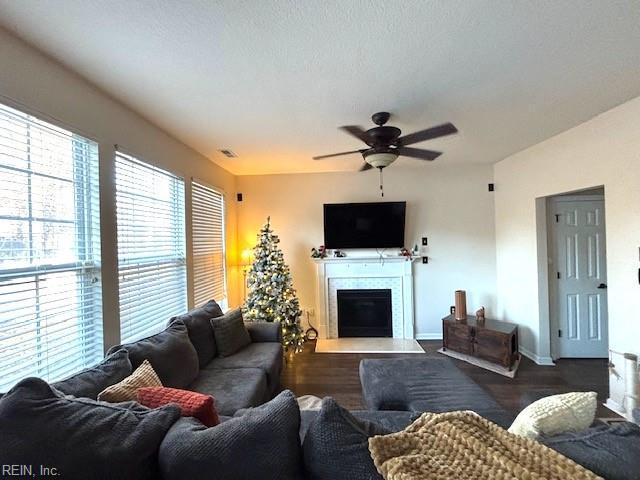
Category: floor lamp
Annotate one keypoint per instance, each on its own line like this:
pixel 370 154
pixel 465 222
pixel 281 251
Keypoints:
pixel 246 255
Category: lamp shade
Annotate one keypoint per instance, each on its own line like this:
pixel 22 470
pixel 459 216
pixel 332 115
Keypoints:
pixel 245 256
pixel 380 159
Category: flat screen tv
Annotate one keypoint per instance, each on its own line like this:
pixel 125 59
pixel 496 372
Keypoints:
pixel 364 225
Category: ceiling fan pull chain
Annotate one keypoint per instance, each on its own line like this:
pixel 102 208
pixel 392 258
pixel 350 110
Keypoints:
pixel 381 186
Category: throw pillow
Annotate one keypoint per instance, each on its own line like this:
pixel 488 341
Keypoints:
pixel 192 404
pixel 171 354
pixel 78 437
pixel 263 443
pixel 198 322
pixel 336 446
pixel 90 382
pixel 230 332
pixel 127 389
pixel 612 452
pixel 556 414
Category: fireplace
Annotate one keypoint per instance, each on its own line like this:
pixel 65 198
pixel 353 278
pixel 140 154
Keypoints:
pixel 364 313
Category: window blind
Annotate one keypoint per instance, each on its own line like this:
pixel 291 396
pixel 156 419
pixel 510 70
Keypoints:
pixel 208 231
pixel 151 247
pixel 50 294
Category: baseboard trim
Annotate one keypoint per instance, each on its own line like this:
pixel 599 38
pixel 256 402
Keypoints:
pixel 428 336
pixel 544 361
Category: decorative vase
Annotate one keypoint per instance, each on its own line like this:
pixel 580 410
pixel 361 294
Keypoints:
pixel 461 305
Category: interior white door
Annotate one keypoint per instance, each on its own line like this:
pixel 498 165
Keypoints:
pixel 581 283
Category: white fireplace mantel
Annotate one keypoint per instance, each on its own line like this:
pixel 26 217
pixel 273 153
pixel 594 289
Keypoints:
pixel 394 273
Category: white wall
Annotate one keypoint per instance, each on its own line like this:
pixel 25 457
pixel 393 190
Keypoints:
pixel 36 84
pixel 603 151
pixel 448 204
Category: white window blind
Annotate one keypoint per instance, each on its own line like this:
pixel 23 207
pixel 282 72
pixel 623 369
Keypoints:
pixel 151 247
pixel 209 276
pixel 50 295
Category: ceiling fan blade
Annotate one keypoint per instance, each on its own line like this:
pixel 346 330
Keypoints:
pixel 428 134
pixel 418 153
pixel 365 166
pixel 357 132
pixel 336 154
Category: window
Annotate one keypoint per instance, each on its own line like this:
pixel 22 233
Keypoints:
pixel 151 247
pixel 209 278
pixel 50 295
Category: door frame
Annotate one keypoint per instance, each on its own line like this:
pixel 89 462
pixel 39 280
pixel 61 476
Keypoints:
pixel 554 321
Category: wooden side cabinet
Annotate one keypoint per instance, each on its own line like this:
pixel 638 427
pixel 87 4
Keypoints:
pixel 494 341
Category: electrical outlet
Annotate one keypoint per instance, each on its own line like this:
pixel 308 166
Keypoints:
pixel 425 259
pixel 425 242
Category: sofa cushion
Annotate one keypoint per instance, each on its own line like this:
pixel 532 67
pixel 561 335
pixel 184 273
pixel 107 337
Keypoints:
pixel 336 445
pixel 264 331
pixel 230 333
pixel 426 384
pixel 266 356
pixel 79 437
pixel 567 412
pixel 171 354
pixel 391 420
pixel 192 404
pixel 90 382
pixel 198 322
pixel 233 388
pixel 261 444
pixel 612 452
pixel 127 389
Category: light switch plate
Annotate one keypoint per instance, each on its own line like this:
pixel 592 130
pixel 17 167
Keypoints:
pixel 425 242
pixel 425 259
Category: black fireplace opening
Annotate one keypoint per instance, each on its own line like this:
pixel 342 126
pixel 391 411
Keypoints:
pixel 364 313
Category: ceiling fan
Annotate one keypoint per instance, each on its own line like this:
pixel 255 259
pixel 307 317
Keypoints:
pixel 385 145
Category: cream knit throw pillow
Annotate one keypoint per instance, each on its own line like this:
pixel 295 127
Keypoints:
pixel 569 412
pixel 127 389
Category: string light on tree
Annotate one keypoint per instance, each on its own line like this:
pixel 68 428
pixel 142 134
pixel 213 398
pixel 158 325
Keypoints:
pixel 272 297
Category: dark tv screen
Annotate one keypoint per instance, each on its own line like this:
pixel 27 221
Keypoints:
pixel 364 225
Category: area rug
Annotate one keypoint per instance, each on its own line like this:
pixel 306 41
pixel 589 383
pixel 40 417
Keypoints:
pixel 368 345
pixel 478 362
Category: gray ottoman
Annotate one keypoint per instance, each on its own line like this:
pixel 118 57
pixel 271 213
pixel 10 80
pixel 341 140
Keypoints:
pixel 425 385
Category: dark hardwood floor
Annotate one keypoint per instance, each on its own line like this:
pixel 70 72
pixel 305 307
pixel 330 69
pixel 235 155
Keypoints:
pixel 336 375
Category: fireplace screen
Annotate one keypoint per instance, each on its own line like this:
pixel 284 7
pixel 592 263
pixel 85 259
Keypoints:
pixel 364 313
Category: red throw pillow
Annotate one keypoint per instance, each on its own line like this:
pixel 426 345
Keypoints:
pixel 192 404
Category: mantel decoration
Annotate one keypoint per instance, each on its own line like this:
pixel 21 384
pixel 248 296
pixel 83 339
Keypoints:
pixel 272 297
pixel 409 254
pixel 320 252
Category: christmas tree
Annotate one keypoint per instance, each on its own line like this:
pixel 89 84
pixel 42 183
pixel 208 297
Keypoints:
pixel 272 297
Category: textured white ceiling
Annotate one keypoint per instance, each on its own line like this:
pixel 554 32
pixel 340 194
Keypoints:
pixel 272 80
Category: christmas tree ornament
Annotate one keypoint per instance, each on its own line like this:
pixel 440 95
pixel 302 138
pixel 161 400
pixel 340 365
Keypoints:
pixel 272 297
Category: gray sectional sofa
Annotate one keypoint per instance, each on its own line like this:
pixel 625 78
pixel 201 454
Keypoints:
pixel 187 355
pixel 263 433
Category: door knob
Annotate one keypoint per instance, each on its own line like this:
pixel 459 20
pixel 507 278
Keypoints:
pixel 602 286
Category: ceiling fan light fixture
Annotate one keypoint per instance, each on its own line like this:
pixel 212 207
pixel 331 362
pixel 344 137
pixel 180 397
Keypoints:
pixel 380 159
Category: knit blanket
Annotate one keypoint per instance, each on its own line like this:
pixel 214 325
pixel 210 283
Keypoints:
pixel 465 446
